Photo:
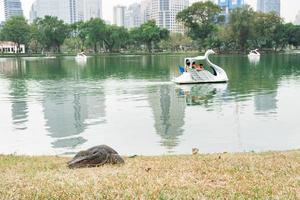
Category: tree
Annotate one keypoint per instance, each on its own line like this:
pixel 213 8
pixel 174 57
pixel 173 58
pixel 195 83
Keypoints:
pixel 176 42
pixel 200 19
pixel 115 37
pixel 150 34
pixel 95 30
pixel 80 34
pixel 52 32
pixel 265 27
pixel 241 24
pixel 17 30
pixel 293 34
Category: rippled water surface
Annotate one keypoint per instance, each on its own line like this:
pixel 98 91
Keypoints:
pixel 60 106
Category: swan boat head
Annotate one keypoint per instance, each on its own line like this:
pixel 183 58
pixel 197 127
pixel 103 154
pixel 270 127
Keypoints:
pixel 209 52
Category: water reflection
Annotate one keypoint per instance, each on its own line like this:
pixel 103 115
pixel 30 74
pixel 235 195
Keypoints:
pixel 68 101
pixel 169 111
pixel 266 103
pixel 201 94
pixel 69 110
pixel 254 59
pixel 18 91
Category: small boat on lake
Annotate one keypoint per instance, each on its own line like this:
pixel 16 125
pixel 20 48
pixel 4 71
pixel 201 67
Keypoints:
pixel 196 73
pixel 81 57
pixel 254 53
pixel 254 56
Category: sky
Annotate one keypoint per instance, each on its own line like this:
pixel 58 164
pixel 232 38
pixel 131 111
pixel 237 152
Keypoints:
pixel 289 8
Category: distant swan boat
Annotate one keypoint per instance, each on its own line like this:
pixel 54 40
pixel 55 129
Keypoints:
pixel 193 74
pixel 254 53
pixel 81 57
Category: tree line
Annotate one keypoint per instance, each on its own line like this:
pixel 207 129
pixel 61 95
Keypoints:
pixel 49 34
pixel 243 30
pixel 204 25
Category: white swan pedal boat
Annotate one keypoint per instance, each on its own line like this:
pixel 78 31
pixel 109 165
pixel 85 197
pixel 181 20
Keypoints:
pixel 193 76
pixel 254 53
pixel 81 57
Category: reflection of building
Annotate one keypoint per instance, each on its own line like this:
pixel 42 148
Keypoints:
pixel 228 5
pixel 164 13
pixel 12 8
pixel 267 6
pixel 266 102
pixel 19 105
pixel 119 15
pixel 169 111
pixel 11 47
pixel 69 113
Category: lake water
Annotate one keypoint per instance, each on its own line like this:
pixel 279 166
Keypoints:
pixel 59 106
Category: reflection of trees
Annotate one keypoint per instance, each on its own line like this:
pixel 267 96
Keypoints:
pixel 260 79
pixel 16 69
pixel 168 110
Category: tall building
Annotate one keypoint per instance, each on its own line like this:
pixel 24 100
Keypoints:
pixel 297 19
pixel 68 10
pixel 228 5
pixel 92 9
pixel 12 8
pixel 133 16
pixel 269 6
pixel 164 13
pixel 119 15
pixel 145 10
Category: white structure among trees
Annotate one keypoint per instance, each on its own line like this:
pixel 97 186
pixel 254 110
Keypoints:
pixel 11 47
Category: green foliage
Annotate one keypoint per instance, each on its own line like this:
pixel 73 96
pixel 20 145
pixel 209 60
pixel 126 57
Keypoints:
pixel 94 31
pixel 149 34
pixel 50 32
pixel 80 34
pixel 200 19
pixel 265 27
pixel 17 30
pixel 245 30
pixel 241 24
pixel 176 42
pixel 293 34
pixel 115 37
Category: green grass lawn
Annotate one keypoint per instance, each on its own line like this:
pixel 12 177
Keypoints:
pixel 273 175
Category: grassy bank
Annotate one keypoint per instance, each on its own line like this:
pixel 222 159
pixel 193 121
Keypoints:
pixel 274 175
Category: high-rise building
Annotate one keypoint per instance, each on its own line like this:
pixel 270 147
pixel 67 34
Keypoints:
pixel 133 16
pixel 119 15
pixel 269 6
pixel 92 9
pixel 164 13
pixel 68 10
pixel 297 19
pixel 228 5
pixel 194 1
pixel 12 8
pixel 145 10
